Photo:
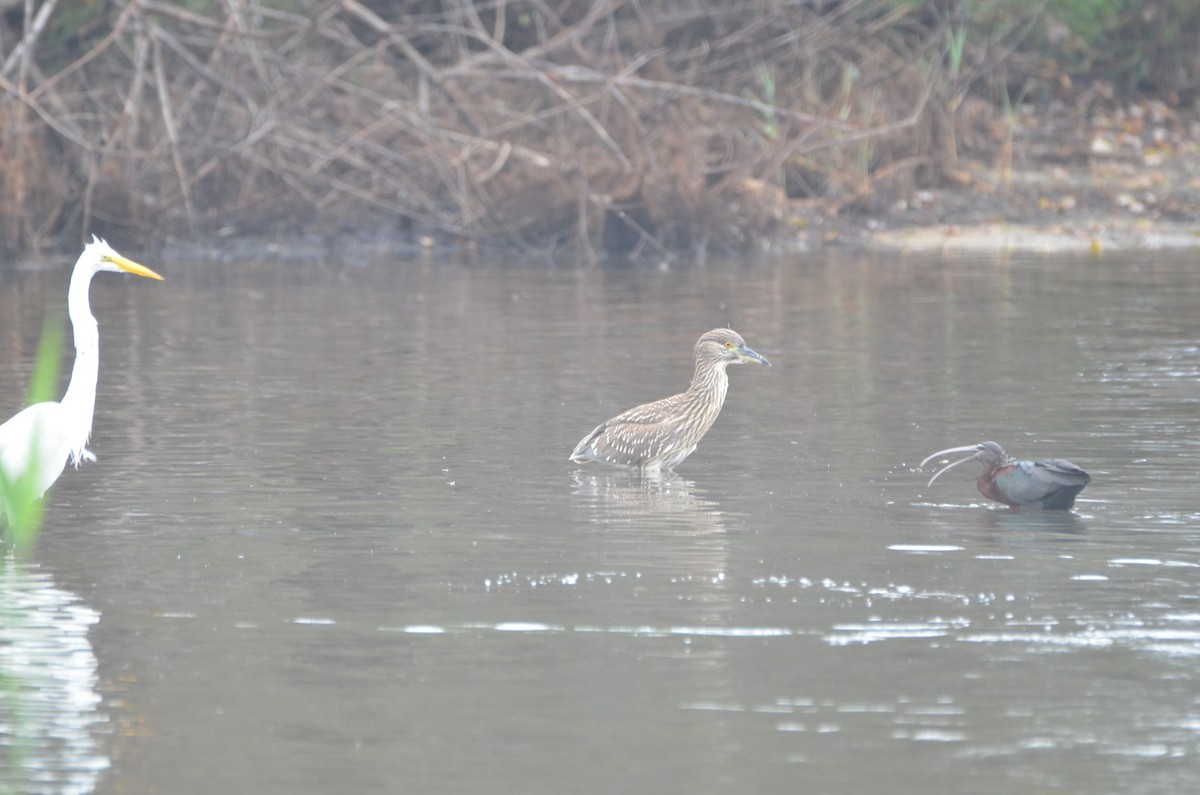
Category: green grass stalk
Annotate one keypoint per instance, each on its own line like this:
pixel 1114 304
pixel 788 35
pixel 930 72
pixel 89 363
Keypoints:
pixel 20 506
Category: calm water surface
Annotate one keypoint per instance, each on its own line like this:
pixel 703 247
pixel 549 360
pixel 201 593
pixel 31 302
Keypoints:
pixel 333 544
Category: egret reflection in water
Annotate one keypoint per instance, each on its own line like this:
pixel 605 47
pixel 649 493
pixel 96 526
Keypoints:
pixel 50 715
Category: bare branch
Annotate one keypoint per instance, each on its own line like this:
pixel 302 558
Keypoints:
pixel 168 117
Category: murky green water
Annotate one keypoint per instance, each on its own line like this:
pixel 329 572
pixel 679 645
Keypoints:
pixel 333 544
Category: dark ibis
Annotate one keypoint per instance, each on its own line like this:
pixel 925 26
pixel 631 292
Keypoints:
pixel 1050 484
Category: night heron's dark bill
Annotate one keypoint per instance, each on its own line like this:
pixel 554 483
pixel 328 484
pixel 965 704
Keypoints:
pixel 748 355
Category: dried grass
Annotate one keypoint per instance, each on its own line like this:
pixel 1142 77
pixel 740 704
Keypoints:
pixel 621 126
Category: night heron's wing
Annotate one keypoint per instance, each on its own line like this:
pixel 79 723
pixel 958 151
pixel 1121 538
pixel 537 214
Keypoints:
pixel 640 436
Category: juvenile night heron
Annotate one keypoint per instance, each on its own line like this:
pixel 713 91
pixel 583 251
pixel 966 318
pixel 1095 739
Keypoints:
pixel 656 436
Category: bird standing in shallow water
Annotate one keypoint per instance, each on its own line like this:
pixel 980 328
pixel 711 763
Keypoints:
pixel 45 435
pixel 656 436
pixel 1050 484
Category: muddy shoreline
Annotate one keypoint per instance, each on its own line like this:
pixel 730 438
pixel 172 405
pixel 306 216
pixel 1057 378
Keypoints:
pixel 1074 235
pixel 1098 189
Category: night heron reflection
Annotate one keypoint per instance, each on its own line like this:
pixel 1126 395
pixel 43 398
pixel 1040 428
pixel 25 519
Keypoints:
pixel 657 436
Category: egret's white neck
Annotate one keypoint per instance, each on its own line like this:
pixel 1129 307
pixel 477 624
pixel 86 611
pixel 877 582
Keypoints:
pixel 80 399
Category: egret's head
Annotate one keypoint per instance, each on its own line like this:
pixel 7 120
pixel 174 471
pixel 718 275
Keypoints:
pixel 99 256
pixel 725 344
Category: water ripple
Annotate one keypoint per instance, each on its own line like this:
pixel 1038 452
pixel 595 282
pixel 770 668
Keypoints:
pixel 50 710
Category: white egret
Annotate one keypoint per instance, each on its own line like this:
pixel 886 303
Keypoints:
pixel 43 436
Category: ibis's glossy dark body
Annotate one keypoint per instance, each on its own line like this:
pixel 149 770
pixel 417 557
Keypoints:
pixel 1051 484
pixel 657 436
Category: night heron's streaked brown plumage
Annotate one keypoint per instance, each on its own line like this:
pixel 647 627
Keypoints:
pixel 658 435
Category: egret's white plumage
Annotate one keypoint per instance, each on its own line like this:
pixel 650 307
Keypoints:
pixel 44 436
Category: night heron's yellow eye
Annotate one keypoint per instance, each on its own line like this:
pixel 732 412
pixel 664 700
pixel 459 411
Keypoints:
pixel 729 345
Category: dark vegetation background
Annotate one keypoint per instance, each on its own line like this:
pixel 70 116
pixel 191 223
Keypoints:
pixel 615 127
